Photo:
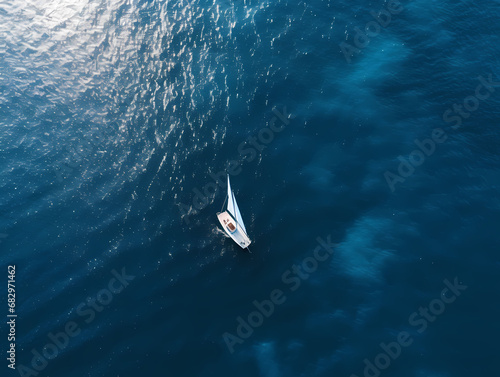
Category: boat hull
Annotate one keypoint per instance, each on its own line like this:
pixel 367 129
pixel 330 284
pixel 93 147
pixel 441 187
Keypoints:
pixel 233 229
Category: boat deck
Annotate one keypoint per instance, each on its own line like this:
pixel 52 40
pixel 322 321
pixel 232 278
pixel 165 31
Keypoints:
pixel 233 229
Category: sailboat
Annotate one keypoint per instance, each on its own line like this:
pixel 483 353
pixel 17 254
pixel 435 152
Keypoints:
pixel 231 220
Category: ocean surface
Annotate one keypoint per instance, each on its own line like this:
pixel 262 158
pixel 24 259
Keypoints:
pixel 364 156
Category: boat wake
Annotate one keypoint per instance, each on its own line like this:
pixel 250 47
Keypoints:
pixel 218 231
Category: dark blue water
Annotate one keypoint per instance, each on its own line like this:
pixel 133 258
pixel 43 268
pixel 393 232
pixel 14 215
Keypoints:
pixel 365 164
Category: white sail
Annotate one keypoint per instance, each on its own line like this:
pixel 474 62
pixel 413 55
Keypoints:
pixel 232 206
